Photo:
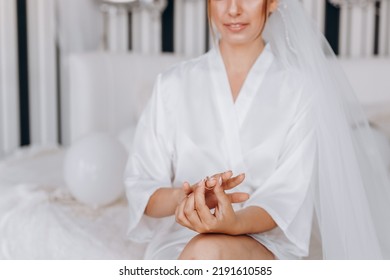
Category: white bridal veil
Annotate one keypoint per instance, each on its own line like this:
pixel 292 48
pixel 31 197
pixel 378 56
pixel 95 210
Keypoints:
pixel 351 189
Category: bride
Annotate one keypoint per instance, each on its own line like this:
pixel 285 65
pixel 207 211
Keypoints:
pixel 270 105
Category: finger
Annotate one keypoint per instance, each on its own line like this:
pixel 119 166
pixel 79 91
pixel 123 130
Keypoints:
pixel 194 186
pixel 222 197
pixel 212 181
pixel 200 203
pixel 179 213
pixel 187 188
pixel 234 182
pixel 191 213
pixel 226 175
pixel 238 197
pixel 180 216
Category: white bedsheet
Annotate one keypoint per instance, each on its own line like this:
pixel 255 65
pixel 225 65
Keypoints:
pixel 40 220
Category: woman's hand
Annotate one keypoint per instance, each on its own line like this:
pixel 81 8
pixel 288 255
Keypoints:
pixel 228 182
pixel 163 202
pixel 194 211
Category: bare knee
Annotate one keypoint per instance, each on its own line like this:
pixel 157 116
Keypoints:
pixel 224 247
pixel 204 247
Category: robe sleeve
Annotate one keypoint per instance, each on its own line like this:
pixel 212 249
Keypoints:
pixel 149 166
pixel 285 193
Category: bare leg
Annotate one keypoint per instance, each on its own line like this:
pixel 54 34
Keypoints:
pixel 225 247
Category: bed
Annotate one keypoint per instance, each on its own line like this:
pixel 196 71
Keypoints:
pixel 39 219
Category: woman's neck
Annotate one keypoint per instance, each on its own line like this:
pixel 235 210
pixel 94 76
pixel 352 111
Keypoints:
pixel 238 61
pixel 240 58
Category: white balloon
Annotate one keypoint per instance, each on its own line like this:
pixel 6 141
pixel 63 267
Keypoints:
pixel 93 169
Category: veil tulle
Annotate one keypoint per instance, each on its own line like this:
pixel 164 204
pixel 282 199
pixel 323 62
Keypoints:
pixel 351 190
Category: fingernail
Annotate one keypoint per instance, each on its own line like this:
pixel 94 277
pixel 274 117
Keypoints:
pixel 220 180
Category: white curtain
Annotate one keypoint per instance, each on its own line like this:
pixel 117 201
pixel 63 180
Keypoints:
pixel 9 121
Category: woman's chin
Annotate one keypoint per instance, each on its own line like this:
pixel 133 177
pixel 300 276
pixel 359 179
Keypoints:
pixel 237 41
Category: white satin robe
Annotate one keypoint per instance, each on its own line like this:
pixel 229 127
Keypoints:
pixel 191 128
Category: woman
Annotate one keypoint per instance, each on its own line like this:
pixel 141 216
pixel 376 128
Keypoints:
pixel 264 105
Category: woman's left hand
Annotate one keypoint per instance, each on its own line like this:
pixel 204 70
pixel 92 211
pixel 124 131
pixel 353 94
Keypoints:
pixel 194 213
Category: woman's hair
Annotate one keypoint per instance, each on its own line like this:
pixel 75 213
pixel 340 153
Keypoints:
pixel 265 7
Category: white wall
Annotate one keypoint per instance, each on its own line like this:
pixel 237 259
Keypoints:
pixel 384 39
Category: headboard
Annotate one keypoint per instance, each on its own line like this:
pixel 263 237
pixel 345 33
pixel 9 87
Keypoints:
pixel 109 90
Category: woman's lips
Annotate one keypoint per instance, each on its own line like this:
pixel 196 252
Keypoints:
pixel 235 27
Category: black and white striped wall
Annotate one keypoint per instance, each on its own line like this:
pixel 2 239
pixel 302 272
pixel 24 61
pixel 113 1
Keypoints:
pixel 33 94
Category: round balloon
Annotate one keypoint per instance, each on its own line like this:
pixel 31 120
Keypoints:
pixel 93 169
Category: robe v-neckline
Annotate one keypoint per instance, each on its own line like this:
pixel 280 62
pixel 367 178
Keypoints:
pixel 250 85
pixel 233 113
